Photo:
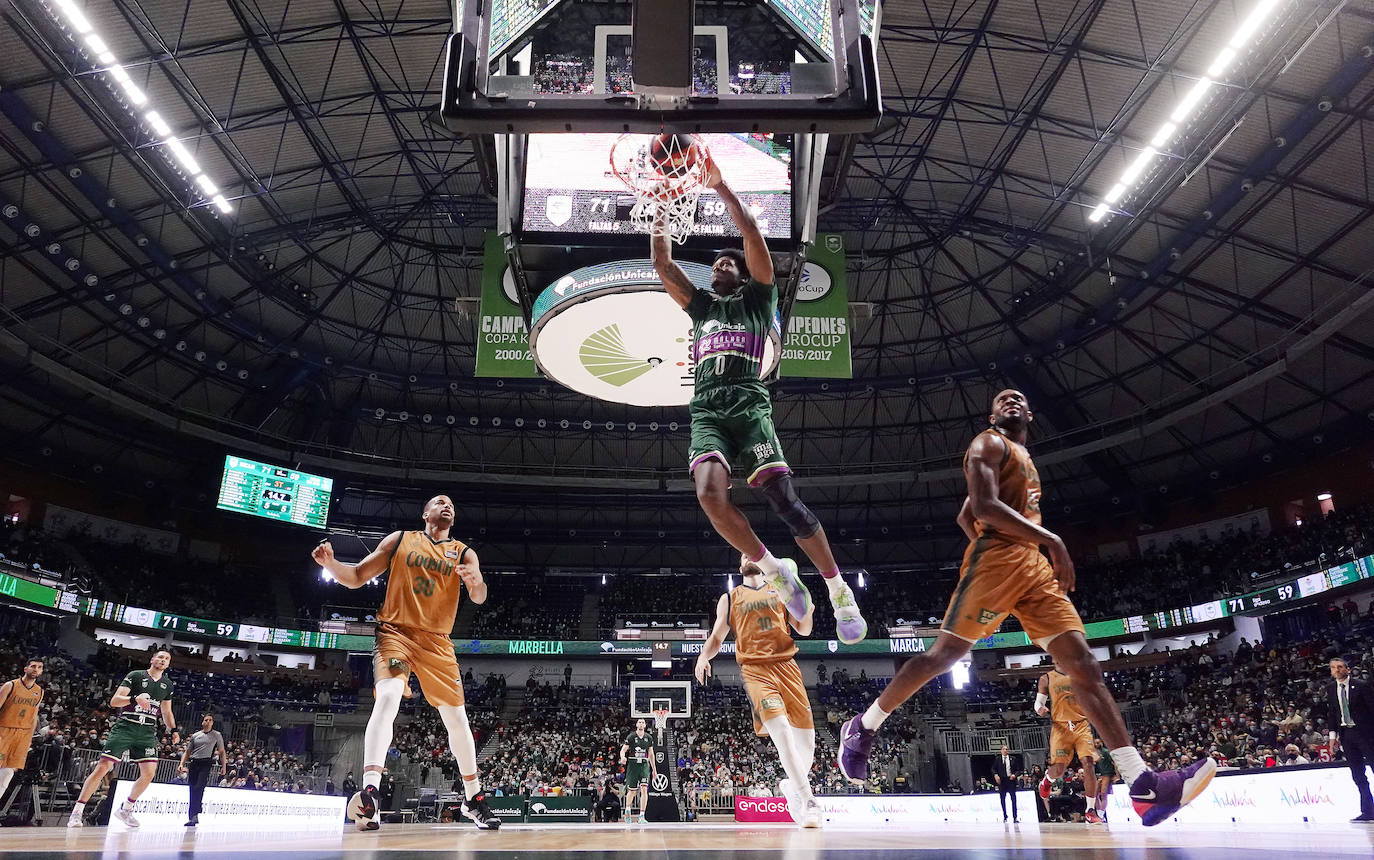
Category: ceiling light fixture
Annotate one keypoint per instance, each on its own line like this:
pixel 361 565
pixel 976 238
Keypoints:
pixel 84 31
pixel 1242 36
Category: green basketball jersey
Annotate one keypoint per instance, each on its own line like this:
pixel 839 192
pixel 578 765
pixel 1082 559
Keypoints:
pixel 729 333
pixel 641 750
pixel 138 682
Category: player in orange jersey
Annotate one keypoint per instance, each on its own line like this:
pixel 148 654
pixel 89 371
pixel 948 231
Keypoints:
pixel 19 700
pixel 1070 735
pixel 1004 573
pixel 765 651
pixel 427 571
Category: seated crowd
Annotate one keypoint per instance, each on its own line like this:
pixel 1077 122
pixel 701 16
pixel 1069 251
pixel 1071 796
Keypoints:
pixel 135 575
pixel 1182 574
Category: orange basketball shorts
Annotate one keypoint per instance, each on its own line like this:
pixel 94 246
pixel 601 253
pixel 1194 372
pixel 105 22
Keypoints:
pixel 14 746
pixel 776 690
pixel 1070 739
pixel 999 578
pixel 429 655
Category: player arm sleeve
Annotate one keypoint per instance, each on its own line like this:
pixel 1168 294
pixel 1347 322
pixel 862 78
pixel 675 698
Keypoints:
pixel 699 306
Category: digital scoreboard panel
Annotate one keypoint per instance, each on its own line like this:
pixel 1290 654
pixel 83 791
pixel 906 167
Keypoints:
pixel 812 19
pixel 274 492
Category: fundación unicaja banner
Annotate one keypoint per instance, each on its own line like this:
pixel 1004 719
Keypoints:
pixel 503 339
pixel 816 343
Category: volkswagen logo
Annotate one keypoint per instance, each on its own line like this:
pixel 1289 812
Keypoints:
pixel 660 782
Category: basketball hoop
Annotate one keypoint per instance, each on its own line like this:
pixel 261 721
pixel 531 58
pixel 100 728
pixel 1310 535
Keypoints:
pixel 667 198
pixel 661 719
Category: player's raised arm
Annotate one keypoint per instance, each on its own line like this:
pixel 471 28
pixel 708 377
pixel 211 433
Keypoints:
pixel 756 255
pixel 711 647
pixel 679 286
pixel 360 574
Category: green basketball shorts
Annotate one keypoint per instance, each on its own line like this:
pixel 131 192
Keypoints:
pixel 734 424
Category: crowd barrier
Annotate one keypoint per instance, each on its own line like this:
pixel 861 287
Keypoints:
pixel 893 809
pixel 1316 794
pixel 163 806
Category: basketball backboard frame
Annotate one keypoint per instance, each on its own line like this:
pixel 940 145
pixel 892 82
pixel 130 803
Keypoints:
pixel 645 694
pixel 836 96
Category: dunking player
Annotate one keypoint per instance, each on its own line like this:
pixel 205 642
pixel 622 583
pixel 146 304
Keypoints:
pixel 1069 734
pixel 637 755
pixel 1003 572
pixel 765 652
pixel 19 700
pixel 140 698
pixel 427 570
pixel 732 413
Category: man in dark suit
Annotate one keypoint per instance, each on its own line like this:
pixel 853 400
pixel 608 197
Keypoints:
pixel 1351 720
pixel 1004 773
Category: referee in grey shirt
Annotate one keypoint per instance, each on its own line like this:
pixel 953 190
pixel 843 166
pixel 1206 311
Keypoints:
pixel 201 749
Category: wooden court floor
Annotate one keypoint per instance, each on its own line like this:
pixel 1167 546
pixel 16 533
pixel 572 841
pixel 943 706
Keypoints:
pixel 705 842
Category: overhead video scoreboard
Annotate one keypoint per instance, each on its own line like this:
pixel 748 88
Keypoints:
pixel 274 492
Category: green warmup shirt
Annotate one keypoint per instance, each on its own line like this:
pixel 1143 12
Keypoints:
pixel 139 682
pixel 641 749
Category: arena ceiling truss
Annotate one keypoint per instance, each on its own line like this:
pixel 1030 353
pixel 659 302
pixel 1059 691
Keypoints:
pixel 1210 324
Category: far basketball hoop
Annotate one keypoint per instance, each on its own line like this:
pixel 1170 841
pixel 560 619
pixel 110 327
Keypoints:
pixel 661 721
pixel 666 172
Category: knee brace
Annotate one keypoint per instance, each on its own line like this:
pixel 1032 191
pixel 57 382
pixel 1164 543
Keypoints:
pixel 783 500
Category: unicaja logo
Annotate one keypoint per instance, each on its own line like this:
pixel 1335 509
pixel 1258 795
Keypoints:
pixel 762 804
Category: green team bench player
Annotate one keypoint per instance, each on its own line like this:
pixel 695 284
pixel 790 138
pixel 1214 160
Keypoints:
pixel 140 698
pixel 637 754
pixel 732 412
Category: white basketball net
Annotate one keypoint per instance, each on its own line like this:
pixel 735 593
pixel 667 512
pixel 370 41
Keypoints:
pixel 661 719
pixel 667 200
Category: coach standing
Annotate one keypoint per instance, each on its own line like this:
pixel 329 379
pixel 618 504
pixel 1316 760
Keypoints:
pixel 201 750
pixel 1005 774
pixel 1352 723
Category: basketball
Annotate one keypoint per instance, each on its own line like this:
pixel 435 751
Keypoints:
pixel 674 155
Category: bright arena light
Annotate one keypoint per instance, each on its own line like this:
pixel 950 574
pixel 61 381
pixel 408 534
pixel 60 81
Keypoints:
pixel 1246 31
pixel 84 32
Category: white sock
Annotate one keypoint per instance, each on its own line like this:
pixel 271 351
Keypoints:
pixel 78 808
pixel 6 774
pixel 128 804
pixel 873 717
pixel 835 585
pixel 377 739
pixel 455 719
pixel 472 787
pixel 804 748
pixel 781 733
pixel 1129 764
pixel 768 563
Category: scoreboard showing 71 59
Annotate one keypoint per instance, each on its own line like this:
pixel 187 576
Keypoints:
pixel 274 492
